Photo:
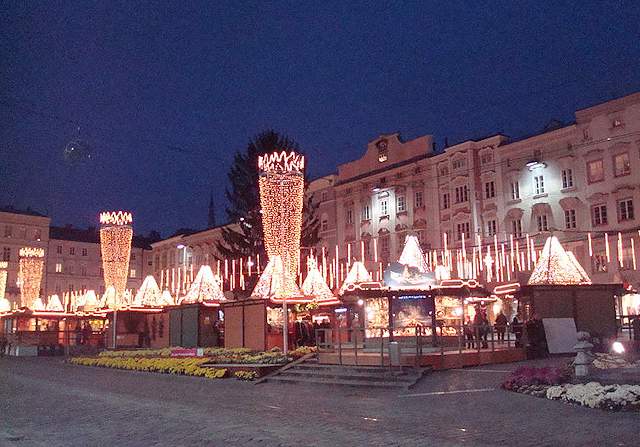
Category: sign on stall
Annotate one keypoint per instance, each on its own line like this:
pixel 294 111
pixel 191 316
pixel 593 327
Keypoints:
pixel 187 352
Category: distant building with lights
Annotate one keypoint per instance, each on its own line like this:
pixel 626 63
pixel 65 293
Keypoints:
pixel 72 256
pixel 576 181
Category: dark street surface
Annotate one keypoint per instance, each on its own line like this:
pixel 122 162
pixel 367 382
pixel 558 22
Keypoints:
pixel 45 402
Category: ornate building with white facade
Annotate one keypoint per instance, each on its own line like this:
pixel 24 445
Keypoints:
pixel 578 182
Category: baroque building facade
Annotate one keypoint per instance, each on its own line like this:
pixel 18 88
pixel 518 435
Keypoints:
pixel 578 182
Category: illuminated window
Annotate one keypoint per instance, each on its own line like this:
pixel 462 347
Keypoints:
pixel 72 250
pixel 384 208
pixel 567 178
pixel 59 249
pixel 84 252
pixel 383 151
pixel 491 227
pixel 349 216
pixel 516 228
pixel 617 122
pixel 625 210
pixel 595 171
pixel 515 191
pixel 599 214
pixel 463 229
pixel 621 164
pixel 569 219
pixel 543 222
pixel 418 199
pixel 445 201
pixel 132 273
pixel 462 194
pixel 324 225
pixel 58 267
pixel 401 204
pixel 489 190
pixel 538 184
pixel 366 212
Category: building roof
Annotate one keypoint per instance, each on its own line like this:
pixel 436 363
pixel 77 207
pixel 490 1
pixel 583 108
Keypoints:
pixel 90 235
pixel 27 212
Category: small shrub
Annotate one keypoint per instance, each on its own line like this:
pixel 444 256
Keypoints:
pixel 246 375
pixel 527 376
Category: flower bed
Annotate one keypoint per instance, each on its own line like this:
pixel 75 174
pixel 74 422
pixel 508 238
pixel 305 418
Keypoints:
pixel 595 395
pixel 220 355
pixel 535 381
pixel 180 366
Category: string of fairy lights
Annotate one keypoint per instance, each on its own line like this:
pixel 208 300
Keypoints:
pixel 116 234
pixel 31 266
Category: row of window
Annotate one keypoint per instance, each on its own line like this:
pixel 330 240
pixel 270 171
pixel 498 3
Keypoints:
pixel 598 216
pixel 83 270
pixel 83 252
pixel 22 233
pixel 401 206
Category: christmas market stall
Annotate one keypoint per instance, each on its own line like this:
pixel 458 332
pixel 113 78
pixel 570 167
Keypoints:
pixel 198 320
pixel 560 288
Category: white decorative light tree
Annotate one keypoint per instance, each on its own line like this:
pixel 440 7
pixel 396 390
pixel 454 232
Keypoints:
pixel 204 288
pixel 115 245
pixel 358 274
pixel 149 293
pixel 30 275
pixel 54 304
pixel 557 266
pixel 315 285
pixel 412 254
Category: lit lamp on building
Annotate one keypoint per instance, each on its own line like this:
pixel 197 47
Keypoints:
pixel 116 233
pixel 30 275
pixel 281 184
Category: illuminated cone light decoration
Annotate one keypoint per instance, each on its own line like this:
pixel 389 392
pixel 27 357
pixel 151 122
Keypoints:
pixel 281 184
pixel 54 304
pixel 205 288
pixel 5 305
pixel 412 254
pixel 557 266
pixel 358 274
pixel 149 293
pixel 315 285
pixel 115 244
pixel 30 275
pixel 276 284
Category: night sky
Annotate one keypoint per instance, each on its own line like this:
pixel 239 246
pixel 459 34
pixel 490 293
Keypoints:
pixel 165 93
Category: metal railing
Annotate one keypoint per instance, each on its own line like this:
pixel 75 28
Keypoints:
pixel 356 343
pixel 629 326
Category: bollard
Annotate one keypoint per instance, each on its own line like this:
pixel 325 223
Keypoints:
pixel 583 358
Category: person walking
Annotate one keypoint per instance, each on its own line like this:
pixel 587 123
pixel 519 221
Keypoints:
pixel 516 329
pixel 501 325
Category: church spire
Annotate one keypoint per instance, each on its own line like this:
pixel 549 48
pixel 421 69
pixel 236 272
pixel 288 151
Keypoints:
pixel 211 221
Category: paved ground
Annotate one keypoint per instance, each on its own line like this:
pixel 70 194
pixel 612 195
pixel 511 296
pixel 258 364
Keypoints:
pixel 46 402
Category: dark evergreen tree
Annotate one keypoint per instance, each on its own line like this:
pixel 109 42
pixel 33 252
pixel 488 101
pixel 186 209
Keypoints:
pixel 245 237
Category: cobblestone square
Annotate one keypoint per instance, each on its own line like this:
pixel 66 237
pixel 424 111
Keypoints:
pixel 45 402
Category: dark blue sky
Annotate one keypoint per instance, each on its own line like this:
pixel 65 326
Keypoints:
pixel 141 77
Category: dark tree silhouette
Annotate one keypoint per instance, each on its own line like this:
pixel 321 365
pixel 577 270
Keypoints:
pixel 244 236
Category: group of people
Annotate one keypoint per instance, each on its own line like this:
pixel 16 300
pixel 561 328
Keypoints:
pixel 476 331
pixel 83 333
